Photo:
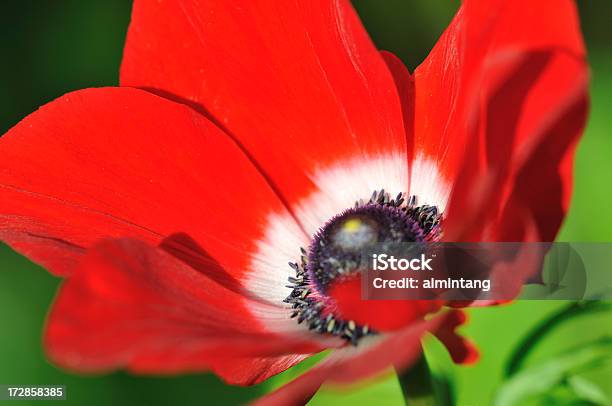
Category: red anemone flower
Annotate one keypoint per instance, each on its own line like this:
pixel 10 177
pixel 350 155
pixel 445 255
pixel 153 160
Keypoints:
pixel 242 133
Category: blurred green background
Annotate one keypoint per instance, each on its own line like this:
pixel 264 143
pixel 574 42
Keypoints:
pixel 55 46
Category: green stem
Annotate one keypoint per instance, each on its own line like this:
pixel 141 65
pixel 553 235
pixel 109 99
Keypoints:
pixel 417 384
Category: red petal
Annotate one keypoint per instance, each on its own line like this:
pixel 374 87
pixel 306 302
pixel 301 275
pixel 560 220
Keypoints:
pixel 251 371
pixel 405 88
pixel 462 351
pixel 129 305
pixel 380 315
pixel 487 97
pixel 351 364
pixel 543 184
pixel 114 162
pixel 298 84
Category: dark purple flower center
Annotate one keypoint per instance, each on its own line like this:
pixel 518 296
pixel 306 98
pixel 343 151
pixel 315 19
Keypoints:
pixel 337 250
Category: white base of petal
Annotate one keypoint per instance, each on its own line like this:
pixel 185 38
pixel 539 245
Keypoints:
pixel 427 183
pixel 340 186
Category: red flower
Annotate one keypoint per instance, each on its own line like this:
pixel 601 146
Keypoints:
pixel 173 203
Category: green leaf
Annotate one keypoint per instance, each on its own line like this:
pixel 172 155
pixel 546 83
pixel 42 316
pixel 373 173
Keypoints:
pixel 588 391
pixel 528 344
pixel 543 378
